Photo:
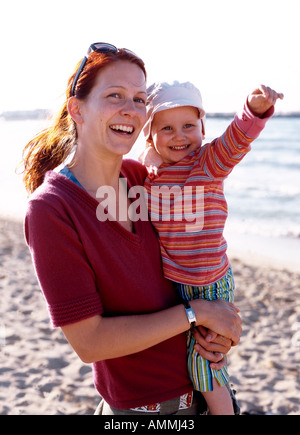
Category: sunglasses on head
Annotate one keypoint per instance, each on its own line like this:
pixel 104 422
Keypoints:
pixel 99 47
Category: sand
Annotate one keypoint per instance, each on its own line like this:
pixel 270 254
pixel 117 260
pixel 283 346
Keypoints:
pixel 41 375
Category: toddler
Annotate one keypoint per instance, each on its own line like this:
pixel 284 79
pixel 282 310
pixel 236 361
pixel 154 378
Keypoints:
pixel 186 179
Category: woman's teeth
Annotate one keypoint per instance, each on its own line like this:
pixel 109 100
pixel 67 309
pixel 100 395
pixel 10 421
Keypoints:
pixel 122 128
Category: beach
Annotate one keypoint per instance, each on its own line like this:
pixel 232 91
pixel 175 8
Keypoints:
pixel 41 375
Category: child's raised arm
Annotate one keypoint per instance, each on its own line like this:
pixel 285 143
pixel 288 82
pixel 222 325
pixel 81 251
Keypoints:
pixel 262 99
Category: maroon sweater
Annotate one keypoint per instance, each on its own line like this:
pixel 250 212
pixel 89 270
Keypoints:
pixel 86 268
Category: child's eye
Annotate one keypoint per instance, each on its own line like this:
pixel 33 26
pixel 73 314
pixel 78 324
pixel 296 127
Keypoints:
pixel 188 125
pixel 168 128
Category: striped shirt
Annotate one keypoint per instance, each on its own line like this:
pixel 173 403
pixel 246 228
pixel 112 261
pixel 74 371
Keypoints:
pixel 188 208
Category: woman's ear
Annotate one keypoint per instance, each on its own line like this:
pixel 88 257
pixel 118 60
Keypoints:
pixel 74 110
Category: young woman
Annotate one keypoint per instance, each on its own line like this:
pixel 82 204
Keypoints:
pixel 102 278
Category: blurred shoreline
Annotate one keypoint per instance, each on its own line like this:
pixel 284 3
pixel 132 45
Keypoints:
pixel 282 253
pixel 37 114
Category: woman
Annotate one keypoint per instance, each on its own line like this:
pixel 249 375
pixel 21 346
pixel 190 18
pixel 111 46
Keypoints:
pixel 102 278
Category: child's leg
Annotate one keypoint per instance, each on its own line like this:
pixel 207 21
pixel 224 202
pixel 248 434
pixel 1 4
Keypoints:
pixel 219 401
pixel 204 379
pixel 199 368
pixel 217 396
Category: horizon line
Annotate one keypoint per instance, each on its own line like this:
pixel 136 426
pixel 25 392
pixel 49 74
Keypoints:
pixel 20 114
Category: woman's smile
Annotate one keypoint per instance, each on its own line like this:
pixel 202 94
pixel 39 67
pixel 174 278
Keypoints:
pixel 122 129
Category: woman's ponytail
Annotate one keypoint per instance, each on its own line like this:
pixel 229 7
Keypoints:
pixel 48 149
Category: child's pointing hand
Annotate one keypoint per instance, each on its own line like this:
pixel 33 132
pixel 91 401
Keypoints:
pixel 262 99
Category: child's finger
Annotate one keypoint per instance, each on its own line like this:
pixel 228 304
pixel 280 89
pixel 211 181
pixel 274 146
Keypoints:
pixel 270 94
pixel 275 96
pixel 259 90
pixel 264 90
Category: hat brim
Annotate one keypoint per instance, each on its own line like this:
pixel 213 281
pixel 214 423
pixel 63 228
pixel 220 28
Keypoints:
pixel 166 105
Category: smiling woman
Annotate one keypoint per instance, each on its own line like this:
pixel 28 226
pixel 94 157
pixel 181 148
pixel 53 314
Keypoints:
pixel 102 278
pixel 52 147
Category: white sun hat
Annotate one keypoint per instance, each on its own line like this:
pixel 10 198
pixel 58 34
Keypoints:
pixel 164 96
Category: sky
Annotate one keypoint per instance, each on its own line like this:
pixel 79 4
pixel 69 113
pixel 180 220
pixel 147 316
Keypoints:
pixel 225 47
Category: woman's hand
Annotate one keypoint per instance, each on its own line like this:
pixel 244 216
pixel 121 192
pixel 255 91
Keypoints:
pixel 219 316
pixel 212 346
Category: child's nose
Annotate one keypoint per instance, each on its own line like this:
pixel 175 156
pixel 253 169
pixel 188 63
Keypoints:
pixel 179 135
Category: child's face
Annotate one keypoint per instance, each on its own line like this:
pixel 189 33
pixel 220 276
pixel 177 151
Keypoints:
pixel 176 133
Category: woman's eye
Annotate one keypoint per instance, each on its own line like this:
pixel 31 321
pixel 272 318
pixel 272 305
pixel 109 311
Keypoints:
pixel 140 100
pixel 115 95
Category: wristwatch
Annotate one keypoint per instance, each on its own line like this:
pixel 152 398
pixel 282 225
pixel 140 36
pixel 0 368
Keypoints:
pixel 190 314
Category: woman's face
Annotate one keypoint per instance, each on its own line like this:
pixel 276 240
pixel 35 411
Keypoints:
pixel 115 110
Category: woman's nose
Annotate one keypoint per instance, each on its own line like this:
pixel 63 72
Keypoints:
pixel 128 107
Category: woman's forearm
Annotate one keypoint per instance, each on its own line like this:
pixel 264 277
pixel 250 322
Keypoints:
pixel 100 338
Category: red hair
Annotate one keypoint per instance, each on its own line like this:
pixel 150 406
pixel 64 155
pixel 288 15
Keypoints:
pixel 52 146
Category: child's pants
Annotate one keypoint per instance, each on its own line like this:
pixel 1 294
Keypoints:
pixel 200 372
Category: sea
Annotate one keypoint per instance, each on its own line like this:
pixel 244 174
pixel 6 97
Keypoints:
pixel 263 191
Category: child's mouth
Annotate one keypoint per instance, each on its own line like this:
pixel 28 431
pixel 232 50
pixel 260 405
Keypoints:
pixel 179 148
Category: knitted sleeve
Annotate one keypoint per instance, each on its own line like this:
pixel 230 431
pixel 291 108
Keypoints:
pixel 64 274
pixel 224 153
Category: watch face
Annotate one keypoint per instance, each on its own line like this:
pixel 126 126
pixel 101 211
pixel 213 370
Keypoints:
pixel 191 315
